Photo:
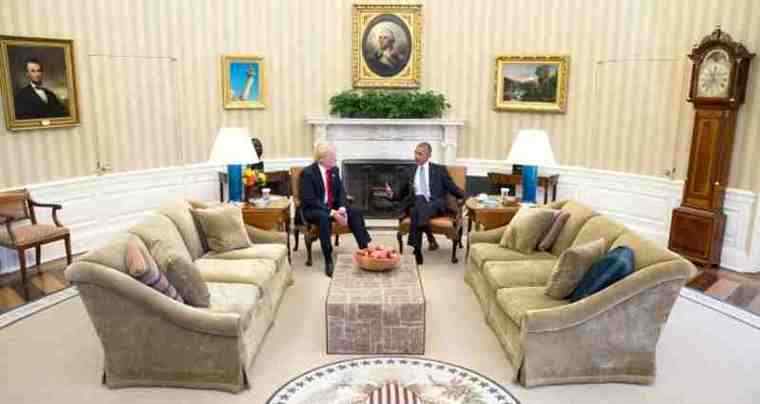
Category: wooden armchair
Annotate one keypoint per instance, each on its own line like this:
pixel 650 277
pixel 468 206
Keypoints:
pixel 451 223
pixel 310 231
pixel 18 206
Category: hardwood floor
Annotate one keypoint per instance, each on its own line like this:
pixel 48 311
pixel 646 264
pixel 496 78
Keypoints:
pixel 49 280
pixel 738 289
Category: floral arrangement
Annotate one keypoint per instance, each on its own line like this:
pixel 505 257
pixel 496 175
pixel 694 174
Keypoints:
pixel 254 178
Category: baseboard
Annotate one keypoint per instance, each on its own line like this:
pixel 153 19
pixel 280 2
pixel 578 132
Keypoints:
pixel 722 307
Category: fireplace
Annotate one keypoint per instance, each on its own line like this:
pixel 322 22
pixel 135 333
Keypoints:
pixel 365 180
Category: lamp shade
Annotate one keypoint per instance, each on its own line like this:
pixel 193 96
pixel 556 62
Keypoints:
pixel 532 147
pixel 233 146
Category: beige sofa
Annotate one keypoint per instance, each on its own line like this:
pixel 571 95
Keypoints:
pixel 150 339
pixel 610 336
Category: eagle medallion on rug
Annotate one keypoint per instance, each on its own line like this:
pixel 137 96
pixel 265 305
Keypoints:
pixel 391 380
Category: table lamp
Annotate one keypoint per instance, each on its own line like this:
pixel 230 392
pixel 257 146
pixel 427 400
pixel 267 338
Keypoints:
pixel 531 148
pixel 233 147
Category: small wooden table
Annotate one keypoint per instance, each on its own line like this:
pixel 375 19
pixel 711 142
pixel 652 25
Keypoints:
pixel 513 180
pixel 487 217
pixel 375 312
pixel 274 216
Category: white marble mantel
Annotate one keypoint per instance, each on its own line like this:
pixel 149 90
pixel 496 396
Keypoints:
pixel 392 139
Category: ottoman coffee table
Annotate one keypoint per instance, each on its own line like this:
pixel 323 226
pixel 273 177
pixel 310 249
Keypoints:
pixel 375 312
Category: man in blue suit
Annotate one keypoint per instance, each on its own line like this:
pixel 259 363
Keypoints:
pixel 323 200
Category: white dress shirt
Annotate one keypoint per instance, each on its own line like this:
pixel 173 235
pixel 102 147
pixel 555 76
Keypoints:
pixel 40 92
pixel 323 171
pixel 418 177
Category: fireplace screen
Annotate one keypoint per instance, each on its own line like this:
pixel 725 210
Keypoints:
pixel 365 181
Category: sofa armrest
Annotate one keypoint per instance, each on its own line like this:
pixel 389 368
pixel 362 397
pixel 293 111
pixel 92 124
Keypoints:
pixel 259 236
pixel 587 309
pixel 492 236
pixel 179 314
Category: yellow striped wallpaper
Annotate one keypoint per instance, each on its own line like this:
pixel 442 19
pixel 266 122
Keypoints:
pixel 149 78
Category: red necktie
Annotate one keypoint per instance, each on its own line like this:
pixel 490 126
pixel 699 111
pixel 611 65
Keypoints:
pixel 328 188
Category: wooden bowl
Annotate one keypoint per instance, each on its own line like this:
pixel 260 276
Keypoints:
pixel 376 264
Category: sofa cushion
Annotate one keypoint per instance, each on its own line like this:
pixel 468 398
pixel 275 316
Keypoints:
pixel 614 266
pixel 512 274
pixel 484 252
pixel 162 239
pixel 223 228
pixel 113 253
pixel 525 230
pixel 186 278
pixel 240 298
pixel 517 301
pixel 548 239
pixel 599 227
pixel 572 266
pixel 143 268
pixel 254 272
pixel 579 215
pixel 178 211
pixel 646 252
pixel 275 252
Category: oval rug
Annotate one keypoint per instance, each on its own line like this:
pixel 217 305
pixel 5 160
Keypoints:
pixel 391 380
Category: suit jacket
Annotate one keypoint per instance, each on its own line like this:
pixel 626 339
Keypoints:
pixel 29 105
pixel 440 183
pixel 313 189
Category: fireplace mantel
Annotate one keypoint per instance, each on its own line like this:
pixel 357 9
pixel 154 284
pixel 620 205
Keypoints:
pixel 388 138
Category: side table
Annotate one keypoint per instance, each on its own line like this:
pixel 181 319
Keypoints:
pixel 486 217
pixel 273 216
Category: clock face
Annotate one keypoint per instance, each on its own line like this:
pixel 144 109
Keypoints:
pixel 714 75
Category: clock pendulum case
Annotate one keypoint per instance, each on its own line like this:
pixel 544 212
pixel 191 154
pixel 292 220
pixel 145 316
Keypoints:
pixel 718 84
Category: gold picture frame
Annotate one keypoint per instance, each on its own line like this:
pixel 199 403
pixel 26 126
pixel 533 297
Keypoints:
pixel 387 45
pixel 243 82
pixel 38 81
pixel 535 83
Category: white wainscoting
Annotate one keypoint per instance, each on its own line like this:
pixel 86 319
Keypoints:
pixel 97 207
pixel 645 204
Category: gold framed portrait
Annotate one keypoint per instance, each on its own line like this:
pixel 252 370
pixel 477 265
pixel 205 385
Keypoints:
pixel 387 45
pixel 532 83
pixel 38 81
pixel 243 82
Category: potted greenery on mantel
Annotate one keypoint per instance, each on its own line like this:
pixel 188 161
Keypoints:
pixel 375 104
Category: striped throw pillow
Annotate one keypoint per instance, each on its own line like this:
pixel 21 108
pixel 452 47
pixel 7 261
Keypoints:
pixel 144 269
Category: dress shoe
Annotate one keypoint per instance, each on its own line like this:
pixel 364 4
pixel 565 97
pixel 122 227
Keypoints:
pixel 418 256
pixel 433 245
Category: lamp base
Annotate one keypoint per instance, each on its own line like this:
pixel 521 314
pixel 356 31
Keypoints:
pixel 529 183
pixel 235 182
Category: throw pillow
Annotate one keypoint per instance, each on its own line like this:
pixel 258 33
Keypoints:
pixel 186 278
pixel 614 266
pixel 526 228
pixel 551 235
pixel 143 268
pixel 223 228
pixel 572 266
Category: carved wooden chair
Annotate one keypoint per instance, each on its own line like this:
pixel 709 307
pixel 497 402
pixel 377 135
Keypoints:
pixel 300 225
pixel 451 223
pixel 18 206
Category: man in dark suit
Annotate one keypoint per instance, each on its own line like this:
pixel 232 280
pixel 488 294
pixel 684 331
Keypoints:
pixel 423 195
pixel 35 101
pixel 323 201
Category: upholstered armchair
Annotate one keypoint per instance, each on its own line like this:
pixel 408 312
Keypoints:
pixel 449 224
pixel 18 206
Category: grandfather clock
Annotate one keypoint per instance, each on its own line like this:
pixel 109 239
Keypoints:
pixel 718 84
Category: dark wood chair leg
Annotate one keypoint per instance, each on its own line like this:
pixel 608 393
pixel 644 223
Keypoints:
pixel 38 258
pixel 461 230
pixel 454 243
pixel 337 240
pixel 295 234
pixel 22 268
pixel 67 244
pixel 400 239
